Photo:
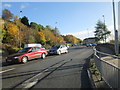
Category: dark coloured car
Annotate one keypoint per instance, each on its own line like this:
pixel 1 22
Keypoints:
pixel 94 44
pixel 26 54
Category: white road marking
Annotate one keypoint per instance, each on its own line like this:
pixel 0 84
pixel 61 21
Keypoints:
pixel 36 76
pixel 30 84
pixel 7 70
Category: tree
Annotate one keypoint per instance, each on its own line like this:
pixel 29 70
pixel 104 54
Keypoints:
pixel 49 36
pixel 60 40
pixel 55 31
pixel 36 26
pixel 3 35
pixel 25 21
pixel 23 32
pixel 79 41
pixel 12 34
pixel 7 15
pixel 19 32
pixel 2 31
pixel 41 38
pixel 101 31
pixel 71 39
pixel 48 27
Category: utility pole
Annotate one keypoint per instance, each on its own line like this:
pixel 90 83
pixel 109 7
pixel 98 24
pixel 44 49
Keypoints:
pixel 115 31
pixel 55 25
pixel 104 26
pixel 55 28
pixel 20 28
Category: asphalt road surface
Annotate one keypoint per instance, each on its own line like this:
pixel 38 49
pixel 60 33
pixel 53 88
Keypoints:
pixel 55 71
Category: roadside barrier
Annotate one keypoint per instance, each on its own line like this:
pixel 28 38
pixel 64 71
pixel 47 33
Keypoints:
pixel 110 73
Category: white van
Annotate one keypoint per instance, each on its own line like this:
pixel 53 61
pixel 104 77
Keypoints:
pixel 32 45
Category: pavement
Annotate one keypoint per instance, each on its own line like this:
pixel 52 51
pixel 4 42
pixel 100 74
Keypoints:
pixel 96 78
pixel 109 59
pixel 112 60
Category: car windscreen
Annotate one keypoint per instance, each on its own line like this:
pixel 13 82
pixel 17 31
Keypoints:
pixel 24 50
pixel 56 47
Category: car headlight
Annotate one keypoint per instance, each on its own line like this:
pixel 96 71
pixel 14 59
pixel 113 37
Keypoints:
pixel 17 57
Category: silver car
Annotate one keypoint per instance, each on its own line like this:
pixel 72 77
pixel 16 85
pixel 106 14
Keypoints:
pixel 58 49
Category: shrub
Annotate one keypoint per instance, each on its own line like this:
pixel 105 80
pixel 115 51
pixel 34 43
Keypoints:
pixel 93 67
pixel 47 46
pixel 10 49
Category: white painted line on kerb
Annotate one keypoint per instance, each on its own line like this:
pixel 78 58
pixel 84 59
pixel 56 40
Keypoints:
pixel 7 70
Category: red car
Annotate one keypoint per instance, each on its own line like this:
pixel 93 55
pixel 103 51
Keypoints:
pixel 27 54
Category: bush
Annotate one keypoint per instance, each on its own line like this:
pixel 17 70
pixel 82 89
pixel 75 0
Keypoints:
pixel 93 67
pixel 9 49
pixel 47 46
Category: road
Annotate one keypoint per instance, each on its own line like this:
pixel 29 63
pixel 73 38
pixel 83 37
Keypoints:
pixel 55 71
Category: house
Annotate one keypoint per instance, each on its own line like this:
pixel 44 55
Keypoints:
pixel 90 40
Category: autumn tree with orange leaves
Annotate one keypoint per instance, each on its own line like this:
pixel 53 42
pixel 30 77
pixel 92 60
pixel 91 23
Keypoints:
pixel 12 32
pixel 15 30
pixel 71 39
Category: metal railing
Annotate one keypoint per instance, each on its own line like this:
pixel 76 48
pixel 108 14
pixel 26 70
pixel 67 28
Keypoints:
pixel 109 72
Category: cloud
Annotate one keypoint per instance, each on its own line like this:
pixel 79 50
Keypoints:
pixel 82 34
pixel 90 33
pixel 24 5
pixel 7 5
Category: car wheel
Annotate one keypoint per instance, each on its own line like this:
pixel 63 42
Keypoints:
pixel 24 59
pixel 43 56
pixel 66 51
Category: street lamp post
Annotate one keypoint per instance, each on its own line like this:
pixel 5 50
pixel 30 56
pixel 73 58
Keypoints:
pixel 104 26
pixel 55 25
pixel 116 32
pixel 20 28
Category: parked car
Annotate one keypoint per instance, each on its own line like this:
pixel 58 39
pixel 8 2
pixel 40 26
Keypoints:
pixel 94 44
pixel 26 54
pixel 74 44
pixel 89 45
pixel 32 45
pixel 58 49
pixel 68 46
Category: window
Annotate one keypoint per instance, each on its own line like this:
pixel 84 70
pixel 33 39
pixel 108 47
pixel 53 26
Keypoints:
pixel 33 49
pixel 38 49
pixel 24 50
